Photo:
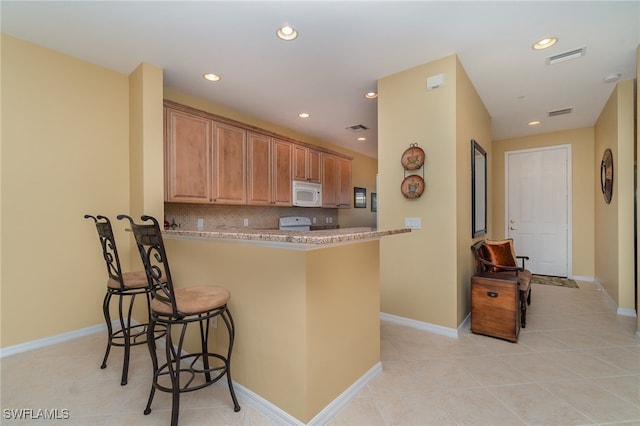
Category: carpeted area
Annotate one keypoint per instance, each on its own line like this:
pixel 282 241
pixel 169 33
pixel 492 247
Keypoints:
pixel 556 281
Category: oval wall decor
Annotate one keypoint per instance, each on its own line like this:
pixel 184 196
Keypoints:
pixel 412 186
pixel 413 157
pixel 606 175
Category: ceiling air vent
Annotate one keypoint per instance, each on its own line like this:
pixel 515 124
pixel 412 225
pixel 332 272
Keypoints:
pixel 561 57
pixel 357 128
pixel 560 112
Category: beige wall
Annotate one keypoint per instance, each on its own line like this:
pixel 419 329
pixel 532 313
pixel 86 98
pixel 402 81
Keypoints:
pixel 636 193
pixel 65 150
pixel 424 274
pixel 83 140
pixel 472 122
pixel 364 167
pixel 614 259
pixel 582 178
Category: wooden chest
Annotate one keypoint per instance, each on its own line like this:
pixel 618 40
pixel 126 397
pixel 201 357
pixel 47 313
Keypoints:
pixel 495 306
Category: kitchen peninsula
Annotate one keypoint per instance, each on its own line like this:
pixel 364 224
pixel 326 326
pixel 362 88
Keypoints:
pixel 305 304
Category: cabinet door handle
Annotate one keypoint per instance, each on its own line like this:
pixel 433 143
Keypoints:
pixel 492 293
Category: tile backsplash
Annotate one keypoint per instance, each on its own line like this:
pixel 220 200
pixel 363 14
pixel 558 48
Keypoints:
pixel 223 216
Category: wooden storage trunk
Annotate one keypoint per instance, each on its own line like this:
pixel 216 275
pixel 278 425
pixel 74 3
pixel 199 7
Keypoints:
pixel 495 306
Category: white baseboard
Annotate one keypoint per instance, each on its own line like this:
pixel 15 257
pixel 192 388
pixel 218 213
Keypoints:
pixel 281 417
pixel 582 278
pixel 47 341
pixel 626 312
pixel 425 326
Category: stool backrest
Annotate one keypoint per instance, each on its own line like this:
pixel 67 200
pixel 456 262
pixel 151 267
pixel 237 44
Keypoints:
pixel 154 258
pixel 109 249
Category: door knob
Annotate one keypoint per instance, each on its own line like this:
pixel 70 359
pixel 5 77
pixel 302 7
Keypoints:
pixel 512 221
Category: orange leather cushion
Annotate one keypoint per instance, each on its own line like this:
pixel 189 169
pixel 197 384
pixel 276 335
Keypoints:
pixel 500 252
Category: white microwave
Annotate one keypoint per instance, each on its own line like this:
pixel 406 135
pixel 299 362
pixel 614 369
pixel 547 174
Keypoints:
pixel 306 194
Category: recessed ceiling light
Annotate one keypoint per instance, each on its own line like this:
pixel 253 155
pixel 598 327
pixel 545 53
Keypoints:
pixel 534 123
pixel 611 78
pixel 362 139
pixel 544 43
pixel 304 115
pixel 371 95
pixel 287 33
pixel 212 77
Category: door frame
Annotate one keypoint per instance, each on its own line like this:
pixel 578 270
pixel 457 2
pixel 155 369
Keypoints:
pixel 567 148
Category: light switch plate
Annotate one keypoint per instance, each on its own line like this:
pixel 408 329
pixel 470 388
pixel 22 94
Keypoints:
pixel 412 222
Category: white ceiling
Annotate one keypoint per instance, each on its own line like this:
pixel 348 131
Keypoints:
pixel 344 47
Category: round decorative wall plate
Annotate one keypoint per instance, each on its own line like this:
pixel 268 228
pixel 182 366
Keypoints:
pixel 412 186
pixel 413 157
pixel 606 175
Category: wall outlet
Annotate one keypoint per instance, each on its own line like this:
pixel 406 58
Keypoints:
pixel 412 222
pixel 246 222
pixel 200 223
pixel 326 220
pixel 330 219
pixel 315 220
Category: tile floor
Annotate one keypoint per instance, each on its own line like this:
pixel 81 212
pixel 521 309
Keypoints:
pixel 576 363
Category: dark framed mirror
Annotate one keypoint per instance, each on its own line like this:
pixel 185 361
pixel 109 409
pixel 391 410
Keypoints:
pixel 478 190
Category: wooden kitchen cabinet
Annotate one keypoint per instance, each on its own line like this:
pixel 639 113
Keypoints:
pixel 281 173
pixel 306 164
pixel 229 184
pixel 214 160
pixel 344 190
pixel 188 163
pixel 269 171
pixel 204 160
pixel 336 181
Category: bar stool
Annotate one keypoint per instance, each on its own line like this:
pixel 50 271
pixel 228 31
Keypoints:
pixel 125 285
pixel 181 307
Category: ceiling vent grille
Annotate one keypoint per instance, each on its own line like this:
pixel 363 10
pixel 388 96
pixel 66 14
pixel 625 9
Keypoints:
pixel 358 128
pixel 561 57
pixel 560 112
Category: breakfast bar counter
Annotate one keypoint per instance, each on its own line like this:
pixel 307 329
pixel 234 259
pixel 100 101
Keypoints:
pixel 292 239
pixel 306 306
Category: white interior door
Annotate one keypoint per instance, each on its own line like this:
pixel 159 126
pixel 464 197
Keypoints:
pixel 537 204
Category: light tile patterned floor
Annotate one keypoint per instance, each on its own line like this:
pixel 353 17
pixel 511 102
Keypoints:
pixel 576 363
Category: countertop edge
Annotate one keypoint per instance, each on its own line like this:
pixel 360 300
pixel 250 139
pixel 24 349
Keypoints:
pixel 288 239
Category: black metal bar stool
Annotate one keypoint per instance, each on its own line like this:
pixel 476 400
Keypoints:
pixel 180 307
pixel 124 285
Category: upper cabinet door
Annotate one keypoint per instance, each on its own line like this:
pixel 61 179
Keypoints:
pixel 259 169
pixel 344 191
pixel 229 165
pixel 306 164
pixel 329 180
pixel 187 157
pixel 281 173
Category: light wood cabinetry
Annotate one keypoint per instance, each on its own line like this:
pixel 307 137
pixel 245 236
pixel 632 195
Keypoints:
pixel 214 160
pixel 187 157
pixel 204 160
pixel 259 169
pixel 306 164
pixel 281 172
pixel 230 166
pixel 336 181
pixel 269 170
pixel 345 190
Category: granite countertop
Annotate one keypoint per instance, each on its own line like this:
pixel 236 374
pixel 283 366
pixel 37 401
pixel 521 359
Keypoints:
pixel 329 236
